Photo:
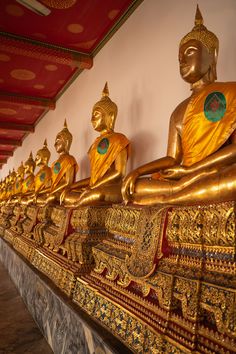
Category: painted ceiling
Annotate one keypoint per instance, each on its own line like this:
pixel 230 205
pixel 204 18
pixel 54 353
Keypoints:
pixel 40 56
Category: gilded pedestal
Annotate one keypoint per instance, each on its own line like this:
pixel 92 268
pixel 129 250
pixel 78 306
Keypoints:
pixel 16 220
pixel 23 243
pixel 7 213
pixel 74 255
pixel 183 298
pixel 89 230
pixel 49 235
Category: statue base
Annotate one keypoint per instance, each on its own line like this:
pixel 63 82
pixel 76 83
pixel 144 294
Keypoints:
pixel 161 279
pixel 74 331
pixel 5 217
pixel 180 296
pixel 73 256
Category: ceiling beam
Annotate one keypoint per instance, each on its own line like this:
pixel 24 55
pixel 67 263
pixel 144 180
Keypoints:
pixel 44 103
pixel 6 153
pixel 2 161
pixel 12 44
pixel 16 126
pixel 11 142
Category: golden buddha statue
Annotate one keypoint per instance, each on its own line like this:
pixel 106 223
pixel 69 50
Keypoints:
pixel 3 190
pixel 108 157
pixel 28 183
pixel 42 178
pixel 63 170
pixel 11 187
pixel 20 173
pixel 201 155
pixel 6 190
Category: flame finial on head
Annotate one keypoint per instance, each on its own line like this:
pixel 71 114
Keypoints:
pixel 20 169
pixel 45 151
pixel 201 33
pixel 30 161
pixel 106 104
pixel 66 135
pixel 105 92
pixel 198 17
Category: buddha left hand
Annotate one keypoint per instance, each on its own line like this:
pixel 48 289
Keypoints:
pixel 175 172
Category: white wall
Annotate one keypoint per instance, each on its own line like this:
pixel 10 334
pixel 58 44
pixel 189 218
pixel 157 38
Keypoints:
pixel 140 64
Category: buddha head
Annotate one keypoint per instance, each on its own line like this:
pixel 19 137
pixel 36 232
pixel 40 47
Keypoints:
pixel 198 53
pixel 20 171
pixel 63 140
pixel 29 164
pixel 43 155
pixel 104 113
pixel 7 180
pixel 13 176
pixel 3 184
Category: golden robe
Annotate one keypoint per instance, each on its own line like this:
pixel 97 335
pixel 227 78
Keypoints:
pixel 28 184
pixel 209 120
pixel 42 178
pixel 104 152
pixel 18 186
pixel 59 168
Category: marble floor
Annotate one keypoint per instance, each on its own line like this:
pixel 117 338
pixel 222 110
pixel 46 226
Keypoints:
pixel 19 333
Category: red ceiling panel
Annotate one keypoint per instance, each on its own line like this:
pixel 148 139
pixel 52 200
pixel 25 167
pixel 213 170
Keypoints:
pixel 11 134
pixel 81 26
pixel 19 113
pixel 41 55
pixel 20 75
pixel 7 147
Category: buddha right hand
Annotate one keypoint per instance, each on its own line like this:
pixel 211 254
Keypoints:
pixel 128 186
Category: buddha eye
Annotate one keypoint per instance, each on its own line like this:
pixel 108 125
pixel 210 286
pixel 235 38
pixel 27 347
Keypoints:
pixel 190 51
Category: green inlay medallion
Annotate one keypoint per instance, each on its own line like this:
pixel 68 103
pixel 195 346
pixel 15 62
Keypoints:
pixel 215 106
pixel 103 146
pixel 57 167
pixel 42 176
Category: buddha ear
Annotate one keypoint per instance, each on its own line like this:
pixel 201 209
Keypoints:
pixel 212 70
pixel 111 121
pixel 215 57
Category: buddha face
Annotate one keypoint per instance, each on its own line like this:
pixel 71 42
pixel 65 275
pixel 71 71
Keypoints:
pixel 29 167
pixel 194 60
pixel 20 172
pixel 12 178
pixel 60 144
pixel 99 121
pixel 40 159
pixel 102 121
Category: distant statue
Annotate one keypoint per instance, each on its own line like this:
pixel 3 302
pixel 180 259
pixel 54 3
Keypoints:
pixel 7 187
pixel 108 158
pixel 16 180
pixel 24 184
pixel 201 157
pixel 42 179
pixel 63 170
pixel 28 183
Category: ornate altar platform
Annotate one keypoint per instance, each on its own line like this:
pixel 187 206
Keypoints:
pixel 66 328
pixel 159 279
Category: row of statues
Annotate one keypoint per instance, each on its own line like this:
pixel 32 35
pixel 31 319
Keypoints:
pixel 200 161
pixel 108 158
